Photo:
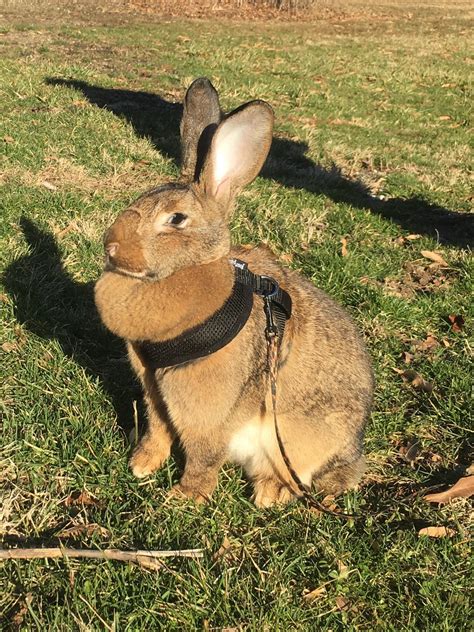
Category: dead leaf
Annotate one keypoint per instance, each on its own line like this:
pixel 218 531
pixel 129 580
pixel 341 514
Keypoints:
pixel 64 231
pixel 343 570
pixel 434 256
pixel 415 379
pixel 329 502
pixel 142 162
pixel 400 241
pixel 429 343
pixel 464 488
pixel 457 322
pixel 229 549
pixel 342 603
pixel 315 594
pixel 82 498
pixel 437 532
pixel 411 451
pixel 223 549
pixel 421 384
pixel 17 618
pixel 84 529
pixel 416 278
pixel 407 357
pixel 49 185
pixel 8 139
pixel 404 240
pixel 8 347
pixel 444 117
pixel 344 251
pixel 436 458
pixel 470 469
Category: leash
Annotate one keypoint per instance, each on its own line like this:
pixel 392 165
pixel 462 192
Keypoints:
pixel 273 347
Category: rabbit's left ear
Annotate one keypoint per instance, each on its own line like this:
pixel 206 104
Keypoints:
pixel 238 150
pixel 201 115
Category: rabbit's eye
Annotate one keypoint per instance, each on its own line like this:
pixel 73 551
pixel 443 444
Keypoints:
pixel 177 219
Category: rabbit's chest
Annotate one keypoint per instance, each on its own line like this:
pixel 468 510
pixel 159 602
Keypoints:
pixel 250 444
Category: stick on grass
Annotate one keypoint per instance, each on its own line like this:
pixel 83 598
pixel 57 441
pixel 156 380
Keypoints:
pixel 147 559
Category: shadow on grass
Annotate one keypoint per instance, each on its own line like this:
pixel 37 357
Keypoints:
pixel 49 303
pixel 157 119
pixel 397 503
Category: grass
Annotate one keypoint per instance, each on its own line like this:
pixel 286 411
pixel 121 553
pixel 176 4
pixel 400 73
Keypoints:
pixel 371 145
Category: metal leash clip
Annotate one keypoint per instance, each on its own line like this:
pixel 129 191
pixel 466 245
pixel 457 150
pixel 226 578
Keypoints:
pixel 271 330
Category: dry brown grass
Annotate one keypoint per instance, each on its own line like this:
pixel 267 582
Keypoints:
pixel 62 174
pixel 126 11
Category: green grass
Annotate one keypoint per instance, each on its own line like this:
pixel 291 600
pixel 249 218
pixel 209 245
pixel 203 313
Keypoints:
pixel 361 109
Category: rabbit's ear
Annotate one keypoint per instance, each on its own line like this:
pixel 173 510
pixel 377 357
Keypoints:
pixel 238 150
pixel 201 115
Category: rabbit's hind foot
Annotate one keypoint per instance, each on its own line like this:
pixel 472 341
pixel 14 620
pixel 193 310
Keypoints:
pixel 271 491
pixel 341 478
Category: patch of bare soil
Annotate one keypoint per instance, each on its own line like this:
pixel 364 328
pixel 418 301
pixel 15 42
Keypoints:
pixel 109 12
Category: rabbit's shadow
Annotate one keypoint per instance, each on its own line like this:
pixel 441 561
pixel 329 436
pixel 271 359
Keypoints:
pixel 158 119
pixel 52 305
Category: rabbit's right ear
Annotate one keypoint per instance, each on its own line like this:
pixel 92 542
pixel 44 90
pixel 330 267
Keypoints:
pixel 239 147
pixel 201 115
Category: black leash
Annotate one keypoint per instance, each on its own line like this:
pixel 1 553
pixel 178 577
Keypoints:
pixel 273 337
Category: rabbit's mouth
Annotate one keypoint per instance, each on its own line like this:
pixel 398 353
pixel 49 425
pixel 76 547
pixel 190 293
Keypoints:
pixel 135 274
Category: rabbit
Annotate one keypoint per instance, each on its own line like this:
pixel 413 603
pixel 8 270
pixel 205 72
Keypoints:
pixel 167 270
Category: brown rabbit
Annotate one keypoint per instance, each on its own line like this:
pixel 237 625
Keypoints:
pixel 168 275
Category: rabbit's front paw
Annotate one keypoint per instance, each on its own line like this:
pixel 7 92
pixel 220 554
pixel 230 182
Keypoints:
pixel 145 461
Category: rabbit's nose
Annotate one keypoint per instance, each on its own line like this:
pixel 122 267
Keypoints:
pixel 111 248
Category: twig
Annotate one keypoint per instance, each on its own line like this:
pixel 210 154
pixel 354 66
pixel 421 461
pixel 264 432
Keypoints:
pixel 147 559
pixel 135 423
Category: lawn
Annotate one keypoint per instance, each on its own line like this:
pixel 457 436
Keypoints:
pixel 369 168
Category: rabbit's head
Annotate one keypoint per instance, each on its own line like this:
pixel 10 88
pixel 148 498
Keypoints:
pixel 187 223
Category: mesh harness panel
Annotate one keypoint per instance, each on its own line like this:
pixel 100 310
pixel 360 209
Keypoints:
pixel 220 328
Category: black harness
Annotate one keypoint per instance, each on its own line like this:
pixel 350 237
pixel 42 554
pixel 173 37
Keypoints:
pixel 222 327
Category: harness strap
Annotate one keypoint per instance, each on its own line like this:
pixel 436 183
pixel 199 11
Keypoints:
pixel 224 325
pixel 205 338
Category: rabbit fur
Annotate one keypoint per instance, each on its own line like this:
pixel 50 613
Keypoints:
pixel 167 270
